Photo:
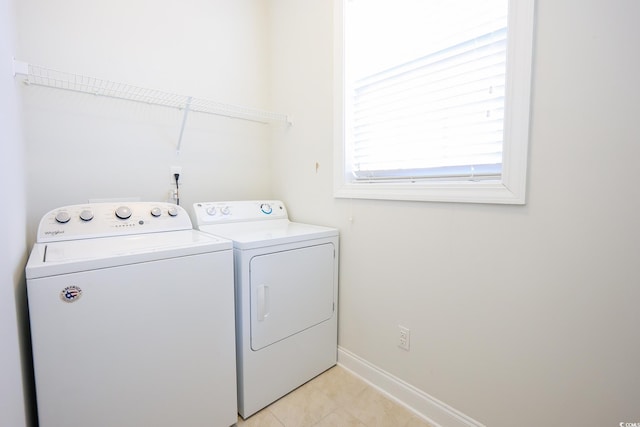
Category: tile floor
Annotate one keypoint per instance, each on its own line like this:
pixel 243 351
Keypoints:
pixel 335 398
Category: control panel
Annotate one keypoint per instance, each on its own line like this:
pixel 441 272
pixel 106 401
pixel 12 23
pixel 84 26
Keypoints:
pixel 111 219
pixel 237 211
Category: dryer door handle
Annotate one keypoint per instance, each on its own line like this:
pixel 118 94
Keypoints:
pixel 263 302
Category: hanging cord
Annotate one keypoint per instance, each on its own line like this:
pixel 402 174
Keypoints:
pixel 177 176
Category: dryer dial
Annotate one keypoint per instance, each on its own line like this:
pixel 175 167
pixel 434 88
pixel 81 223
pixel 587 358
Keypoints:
pixel 266 208
pixel 172 211
pixel 156 212
pixel 211 210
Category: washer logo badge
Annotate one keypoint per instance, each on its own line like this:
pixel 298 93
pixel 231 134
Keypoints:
pixel 71 294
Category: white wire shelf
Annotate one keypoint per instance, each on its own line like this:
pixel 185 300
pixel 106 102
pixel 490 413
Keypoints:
pixel 42 76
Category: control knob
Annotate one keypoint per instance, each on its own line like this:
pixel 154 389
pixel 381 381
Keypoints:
pixel 266 208
pixel 63 217
pixel 225 210
pixel 173 211
pixel 86 215
pixel 156 212
pixel 211 210
pixel 123 212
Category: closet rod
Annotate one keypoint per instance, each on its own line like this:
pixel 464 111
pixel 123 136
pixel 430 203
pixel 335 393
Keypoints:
pixel 42 76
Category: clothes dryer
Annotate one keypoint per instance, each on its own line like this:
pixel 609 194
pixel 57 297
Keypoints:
pixel 286 277
pixel 132 319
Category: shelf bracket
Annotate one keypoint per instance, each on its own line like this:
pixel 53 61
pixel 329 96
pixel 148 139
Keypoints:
pixel 20 67
pixel 184 122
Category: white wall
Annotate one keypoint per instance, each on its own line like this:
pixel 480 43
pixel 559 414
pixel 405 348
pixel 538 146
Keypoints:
pixel 519 315
pixel 12 230
pixel 82 147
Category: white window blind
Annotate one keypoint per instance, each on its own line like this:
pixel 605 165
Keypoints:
pixel 437 115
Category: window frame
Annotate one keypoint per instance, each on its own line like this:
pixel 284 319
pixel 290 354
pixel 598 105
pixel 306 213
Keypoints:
pixel 511 187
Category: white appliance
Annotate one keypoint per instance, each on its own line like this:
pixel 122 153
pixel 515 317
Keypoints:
pixel 286 277
pixel 132 319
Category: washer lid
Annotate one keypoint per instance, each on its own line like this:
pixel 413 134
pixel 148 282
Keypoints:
pixel 70 256
pixel 257 234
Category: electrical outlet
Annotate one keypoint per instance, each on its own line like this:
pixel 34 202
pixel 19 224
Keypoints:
pixel 404 337
pixel 176 170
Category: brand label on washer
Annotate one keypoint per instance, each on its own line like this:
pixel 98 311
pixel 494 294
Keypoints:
pixel 71 294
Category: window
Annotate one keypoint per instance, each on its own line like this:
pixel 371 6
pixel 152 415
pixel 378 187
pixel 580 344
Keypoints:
pixel 433 99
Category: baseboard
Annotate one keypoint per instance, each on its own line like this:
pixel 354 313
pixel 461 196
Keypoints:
pixel 435 412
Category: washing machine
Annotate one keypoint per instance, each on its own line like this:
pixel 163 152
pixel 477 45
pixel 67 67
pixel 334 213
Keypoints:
pixel 132 319
pixel 286 284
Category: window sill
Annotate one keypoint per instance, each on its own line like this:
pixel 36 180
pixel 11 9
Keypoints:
pixel 461 192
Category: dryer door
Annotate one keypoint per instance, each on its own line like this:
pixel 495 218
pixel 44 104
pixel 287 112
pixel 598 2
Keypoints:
pixel 290 291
